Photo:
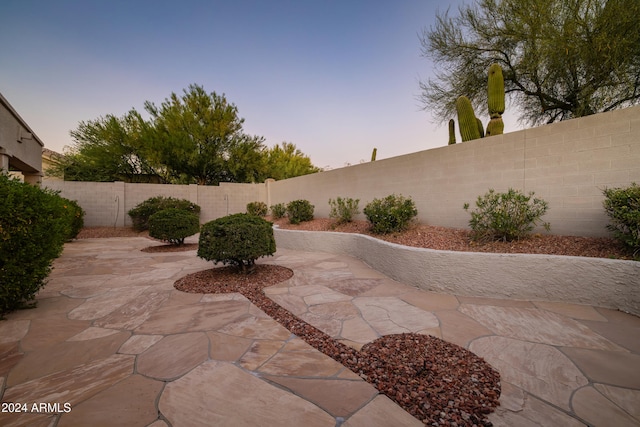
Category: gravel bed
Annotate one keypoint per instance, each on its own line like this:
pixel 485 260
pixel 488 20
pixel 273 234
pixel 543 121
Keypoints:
pixel 427 236
pixel 437 382
pixel 454 239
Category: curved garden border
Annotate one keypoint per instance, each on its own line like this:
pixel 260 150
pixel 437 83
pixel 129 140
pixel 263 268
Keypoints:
pixel 592 281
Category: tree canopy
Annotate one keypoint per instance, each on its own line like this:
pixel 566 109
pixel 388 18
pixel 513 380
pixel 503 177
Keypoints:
pixel 560 58
pixel 110 148
pixel 287 161
pixel 193 138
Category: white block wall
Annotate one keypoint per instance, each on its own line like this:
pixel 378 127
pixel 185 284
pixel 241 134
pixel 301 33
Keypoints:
pixel 568 164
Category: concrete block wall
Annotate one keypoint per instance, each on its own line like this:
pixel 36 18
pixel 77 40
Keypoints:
pixel 106 203
pixel 228 198
pixel 568 164
pixel 103 202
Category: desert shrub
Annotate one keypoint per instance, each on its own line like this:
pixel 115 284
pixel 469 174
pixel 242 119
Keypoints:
pixel 141 213
pixel 506 216
pixel 173 225
pixel 75 218
pixel 278 210
pixel 237 239
pixel 622 205
pixel 33 228
pixel 391 214
pixel 343 210
pixel 257 208
pixel 299 211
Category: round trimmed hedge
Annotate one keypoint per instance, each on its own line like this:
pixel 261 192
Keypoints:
pixel 238 239
pixel 141 213
pixel 173 225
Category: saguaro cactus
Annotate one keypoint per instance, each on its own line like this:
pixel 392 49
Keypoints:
pixel 480 127
pixel 373 154
pixel 452 132
pixel 495 98
pixel 467 121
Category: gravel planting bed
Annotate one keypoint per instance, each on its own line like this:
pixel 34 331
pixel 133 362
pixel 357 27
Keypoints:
pixel 437 382
pixel 427 236
pixel 454 239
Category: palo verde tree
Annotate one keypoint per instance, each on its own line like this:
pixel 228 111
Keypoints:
pixel 287 161
pixel 110 148
pixel 195 135
pixel 560 58
pixel 193 138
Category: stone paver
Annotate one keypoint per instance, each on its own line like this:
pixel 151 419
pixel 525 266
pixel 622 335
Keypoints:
pixel 221 394
pixel 173 356
pixel 546 372
pixel 112 338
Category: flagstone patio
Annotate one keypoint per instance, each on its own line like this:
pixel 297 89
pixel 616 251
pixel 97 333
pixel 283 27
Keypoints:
pixel 115 341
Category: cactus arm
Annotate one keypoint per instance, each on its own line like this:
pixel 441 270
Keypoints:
pixel 467 119
pixel 452 132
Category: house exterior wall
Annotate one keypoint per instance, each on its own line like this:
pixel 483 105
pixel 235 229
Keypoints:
pixel 20 148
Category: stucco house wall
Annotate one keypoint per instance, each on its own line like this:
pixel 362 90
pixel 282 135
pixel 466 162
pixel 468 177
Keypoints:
pixel 20 148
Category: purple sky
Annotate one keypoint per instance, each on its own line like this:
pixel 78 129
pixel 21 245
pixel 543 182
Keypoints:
pixel 336 78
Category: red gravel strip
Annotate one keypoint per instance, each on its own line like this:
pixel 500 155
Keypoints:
pixel 437 382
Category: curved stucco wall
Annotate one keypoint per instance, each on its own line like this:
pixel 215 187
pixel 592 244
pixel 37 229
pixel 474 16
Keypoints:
pixel 592 281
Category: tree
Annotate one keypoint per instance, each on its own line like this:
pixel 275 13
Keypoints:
pixel 560 58
pixel 194 138
pixel 287 161
pixel 247 161
pixel 195 135
pixel 110 148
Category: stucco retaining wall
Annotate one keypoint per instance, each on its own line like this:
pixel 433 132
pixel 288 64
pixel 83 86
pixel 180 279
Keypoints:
pixel 580 280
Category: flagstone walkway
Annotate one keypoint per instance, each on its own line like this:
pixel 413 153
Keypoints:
pixel 112 343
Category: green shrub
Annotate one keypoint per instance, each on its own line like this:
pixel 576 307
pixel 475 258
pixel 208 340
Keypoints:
pixel 393 213
pixel 141 213
pixel 173 225
pixel 257 208
pixel 278 210
pixel 299 211
pixel 623 208
pixel 33 229
pixel 506 216
pixel 237 239
pixel 343 210
pixel 75 218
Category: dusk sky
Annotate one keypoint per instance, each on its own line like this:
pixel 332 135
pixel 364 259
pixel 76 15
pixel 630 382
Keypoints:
pixel 336 78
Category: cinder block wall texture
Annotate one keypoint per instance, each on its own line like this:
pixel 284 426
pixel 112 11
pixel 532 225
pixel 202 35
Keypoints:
pixel 568 164
pixel 107 203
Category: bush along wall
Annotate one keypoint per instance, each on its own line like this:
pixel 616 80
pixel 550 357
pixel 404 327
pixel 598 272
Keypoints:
pixel 622 205
pixel 391 214
pixel 141 213
pixel 506 216
pixel 257 208
pixel 173 225
pixel 34 224
pixel 299 211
